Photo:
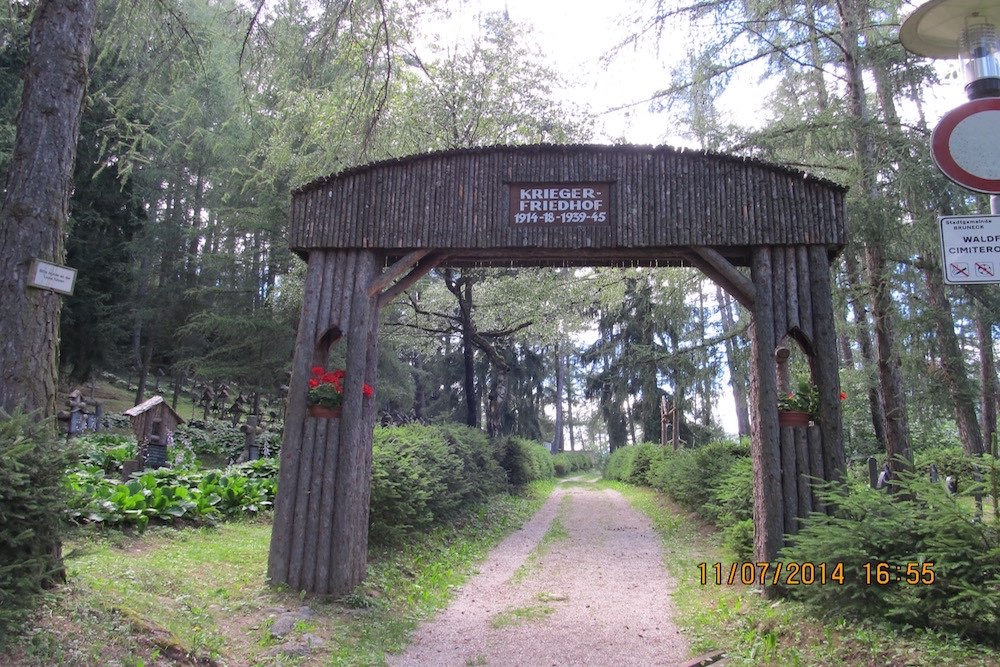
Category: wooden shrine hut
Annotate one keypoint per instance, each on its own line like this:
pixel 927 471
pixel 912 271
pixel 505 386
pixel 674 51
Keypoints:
pixel 152 422
pixel 763 232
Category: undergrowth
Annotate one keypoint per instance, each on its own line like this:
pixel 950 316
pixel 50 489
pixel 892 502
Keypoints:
pixel 752 630
pixel 199 595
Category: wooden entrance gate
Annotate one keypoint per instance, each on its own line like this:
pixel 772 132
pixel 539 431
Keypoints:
pixel 371 232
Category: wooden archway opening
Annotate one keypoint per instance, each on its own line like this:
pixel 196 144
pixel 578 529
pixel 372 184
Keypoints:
pixel 371 232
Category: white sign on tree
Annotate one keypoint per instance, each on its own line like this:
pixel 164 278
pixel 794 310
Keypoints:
pixel 49 276
pixel 970 248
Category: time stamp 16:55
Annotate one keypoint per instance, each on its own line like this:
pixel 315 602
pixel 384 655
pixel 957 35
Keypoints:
pixel 792 573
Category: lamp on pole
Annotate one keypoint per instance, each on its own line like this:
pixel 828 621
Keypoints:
pixel 966 30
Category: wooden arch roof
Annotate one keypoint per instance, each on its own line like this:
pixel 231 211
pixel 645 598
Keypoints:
pixel 663 201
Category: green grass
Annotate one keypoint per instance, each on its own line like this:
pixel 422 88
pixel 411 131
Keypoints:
pixel 580 478
pixel 555 532
pixel 199 594
pixel 756 631
pixel 521 615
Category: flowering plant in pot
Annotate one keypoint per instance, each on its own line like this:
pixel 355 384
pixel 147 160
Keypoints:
pixel 326 392
pixel 799 407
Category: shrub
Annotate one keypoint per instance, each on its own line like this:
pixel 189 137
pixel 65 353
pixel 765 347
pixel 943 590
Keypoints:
pixel 422 474
pixel 213 440
pixel 921 524
pixel 619 464
pixel 647 456
pixel 410 465
pixel 953 461
pixel 732 505
pixel 564 463
pixel 167 495
pixel 32 514
pixel 692 476
pixel 482 474
pixel 107 451
pixel 524 460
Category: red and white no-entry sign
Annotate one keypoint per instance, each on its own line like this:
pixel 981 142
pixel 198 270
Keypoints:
pixel 966 145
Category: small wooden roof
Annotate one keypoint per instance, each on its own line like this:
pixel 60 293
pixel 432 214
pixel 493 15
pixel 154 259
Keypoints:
pixel 148 405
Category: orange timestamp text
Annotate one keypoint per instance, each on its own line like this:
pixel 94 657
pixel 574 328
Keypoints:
pixel 765 573
pixel 792 573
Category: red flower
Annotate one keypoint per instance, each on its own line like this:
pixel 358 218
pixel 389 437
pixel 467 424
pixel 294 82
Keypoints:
pixel 313 383
pixel 367 390
pixel 843 395
pixel 317 370
pixel 329 378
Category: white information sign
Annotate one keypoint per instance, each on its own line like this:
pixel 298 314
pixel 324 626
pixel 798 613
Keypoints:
pixel 970 248
pixel 45 275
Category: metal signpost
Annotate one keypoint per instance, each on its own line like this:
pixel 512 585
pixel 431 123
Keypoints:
pixel 966 143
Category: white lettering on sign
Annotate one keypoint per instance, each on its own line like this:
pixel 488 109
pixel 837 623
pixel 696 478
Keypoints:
pixel 559 203
pixel 970 249
pixel 48 276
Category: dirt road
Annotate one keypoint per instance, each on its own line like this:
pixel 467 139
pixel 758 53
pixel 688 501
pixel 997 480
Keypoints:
pixel 582 583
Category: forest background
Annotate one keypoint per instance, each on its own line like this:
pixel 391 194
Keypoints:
pixel 201 117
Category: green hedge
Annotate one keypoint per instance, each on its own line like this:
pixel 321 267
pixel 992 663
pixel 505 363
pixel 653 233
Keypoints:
pixel 32 515
pixel 633 464
pixel 564 463
pixel 714 481
pixel 524 460
pixel 423 474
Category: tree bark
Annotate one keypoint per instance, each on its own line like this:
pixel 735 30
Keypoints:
pixel 569 403
pixel 865 344
pixel 737 374
pixel 960 389
pixel 557 439
pixel 462 289
pixel 36 207
pixel 889 369
pixel 987 378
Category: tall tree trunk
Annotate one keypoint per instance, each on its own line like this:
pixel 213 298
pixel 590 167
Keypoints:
pixel 419 391
pixel 569 403
pixel 147 358
pixel 194 232
pixel 36 206
pixel 864 338
pixel 557 439
pixel 890 371
pixel 987 378
pixel 737 370
pixel 462 289
pixel 960 389
pixel 497 404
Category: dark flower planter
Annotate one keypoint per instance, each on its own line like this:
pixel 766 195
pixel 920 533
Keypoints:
pixel 323 412
pixel 791 418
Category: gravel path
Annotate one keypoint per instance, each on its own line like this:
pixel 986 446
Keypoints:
pixel 591 592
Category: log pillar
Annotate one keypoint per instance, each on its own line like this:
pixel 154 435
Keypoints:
pixel 319 540
pixel 768 509
pixel 793 299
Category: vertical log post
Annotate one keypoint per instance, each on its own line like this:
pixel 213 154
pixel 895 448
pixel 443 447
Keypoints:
pixel 826 364
pixel 767 498
pixel 319 541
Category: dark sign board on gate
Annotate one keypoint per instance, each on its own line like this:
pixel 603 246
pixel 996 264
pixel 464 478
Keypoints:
pixel 560 204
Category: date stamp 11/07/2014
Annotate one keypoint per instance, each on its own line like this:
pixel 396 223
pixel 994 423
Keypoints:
pixel 792 573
